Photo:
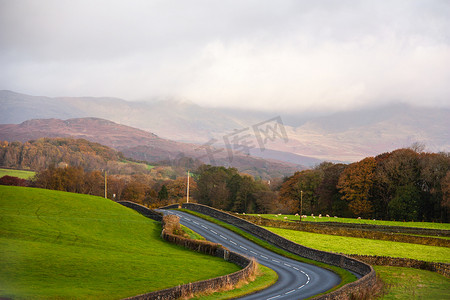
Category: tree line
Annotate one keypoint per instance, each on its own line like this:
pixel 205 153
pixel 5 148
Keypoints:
pixel 404 184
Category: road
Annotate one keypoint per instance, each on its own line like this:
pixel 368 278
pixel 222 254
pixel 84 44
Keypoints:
pixel 296 280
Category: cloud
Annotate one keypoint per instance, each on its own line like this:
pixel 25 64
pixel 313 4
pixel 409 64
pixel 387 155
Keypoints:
pixel 294 55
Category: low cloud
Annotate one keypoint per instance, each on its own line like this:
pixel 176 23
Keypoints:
pixel 295 55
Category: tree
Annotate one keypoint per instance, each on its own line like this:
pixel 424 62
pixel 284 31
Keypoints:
pixel 405 204
pixel 328 194
pixel 306 181
pixel 355 184
pixel 163 194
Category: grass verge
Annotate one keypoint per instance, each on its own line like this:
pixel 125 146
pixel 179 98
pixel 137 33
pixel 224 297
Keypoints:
pixel 70 246
pixel 351 245
pixel 407 283
pixel 17 173
pixel 430 225
pixel 345 275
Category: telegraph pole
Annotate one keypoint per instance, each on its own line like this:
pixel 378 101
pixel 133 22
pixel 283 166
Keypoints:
pixel 301 205
pixel 187 189
pixel 106 189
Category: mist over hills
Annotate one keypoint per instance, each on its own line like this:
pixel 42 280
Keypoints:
pixel 141 145
pixel 343 136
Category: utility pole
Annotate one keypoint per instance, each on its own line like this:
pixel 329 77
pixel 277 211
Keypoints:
pixel 301 205
pixel 187 189
pixel 106 189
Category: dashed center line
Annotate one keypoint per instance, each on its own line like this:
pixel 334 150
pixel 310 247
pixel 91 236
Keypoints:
pixel 255 253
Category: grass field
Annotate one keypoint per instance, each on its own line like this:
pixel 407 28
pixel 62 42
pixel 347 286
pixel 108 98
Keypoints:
pixel 17 173
pixel 408 283
pixel 62 245
pixel 403 283
pixel 351 245
pixel 444 226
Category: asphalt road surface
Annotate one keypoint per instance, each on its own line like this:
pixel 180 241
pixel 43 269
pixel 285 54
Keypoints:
pixel 296 280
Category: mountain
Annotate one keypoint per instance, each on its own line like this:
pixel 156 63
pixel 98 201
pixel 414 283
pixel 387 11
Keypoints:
pixel 343 136
pixel 141 145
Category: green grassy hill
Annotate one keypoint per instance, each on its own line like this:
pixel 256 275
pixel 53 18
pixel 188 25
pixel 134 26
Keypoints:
pixel 17 173
pixel 63 245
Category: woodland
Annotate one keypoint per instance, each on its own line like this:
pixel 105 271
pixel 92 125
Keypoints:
pixel 406 184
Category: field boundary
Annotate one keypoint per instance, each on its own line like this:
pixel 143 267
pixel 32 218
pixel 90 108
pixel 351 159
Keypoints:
pixel 380 228
pixel 441 268
pixel 355 231
pixel 367 280
pixel 249 266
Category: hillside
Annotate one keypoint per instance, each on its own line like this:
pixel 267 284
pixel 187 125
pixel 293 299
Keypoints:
pixel 61 245
pixel 313 136
pixel 41 153
pixel 141 145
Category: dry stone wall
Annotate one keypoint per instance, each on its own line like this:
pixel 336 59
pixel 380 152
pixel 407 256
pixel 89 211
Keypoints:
pixel 218 250
pixel 367 280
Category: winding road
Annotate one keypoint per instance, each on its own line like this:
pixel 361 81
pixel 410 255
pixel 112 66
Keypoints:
pixel 296 280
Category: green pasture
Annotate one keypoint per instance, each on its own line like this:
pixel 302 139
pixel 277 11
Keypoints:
pixel 352 245
pixel 17 173
pixel 444 226
pixel 409 283
pixel 64 246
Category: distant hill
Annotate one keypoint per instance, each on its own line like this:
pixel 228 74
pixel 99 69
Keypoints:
pixel 344 136
pixel 41 153
pixel 140 145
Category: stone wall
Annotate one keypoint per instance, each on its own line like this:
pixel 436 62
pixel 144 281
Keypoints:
pixel 441 268
pixel 366 233
pixel 142 210
pixel 365 270
pixel 218 250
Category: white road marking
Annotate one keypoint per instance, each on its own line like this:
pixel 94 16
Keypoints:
pixel 287 265
pixel 253 252
pixel 287 293
pixel 223 237
pixel 300 287
pixel 274 260
pixel 295 268
pixel 265 257
pixel 213 231
pixel 277 296
pixel 204 226
pixel 196 223
pixel 233 242
pixel 243 247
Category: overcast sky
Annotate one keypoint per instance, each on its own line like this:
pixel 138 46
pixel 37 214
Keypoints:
pixel 285 55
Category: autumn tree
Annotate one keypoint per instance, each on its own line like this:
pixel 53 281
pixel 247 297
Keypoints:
pixel 355 184
pixel 329 198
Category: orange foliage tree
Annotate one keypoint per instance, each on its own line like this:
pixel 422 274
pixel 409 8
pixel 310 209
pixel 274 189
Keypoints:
pixel 355 185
